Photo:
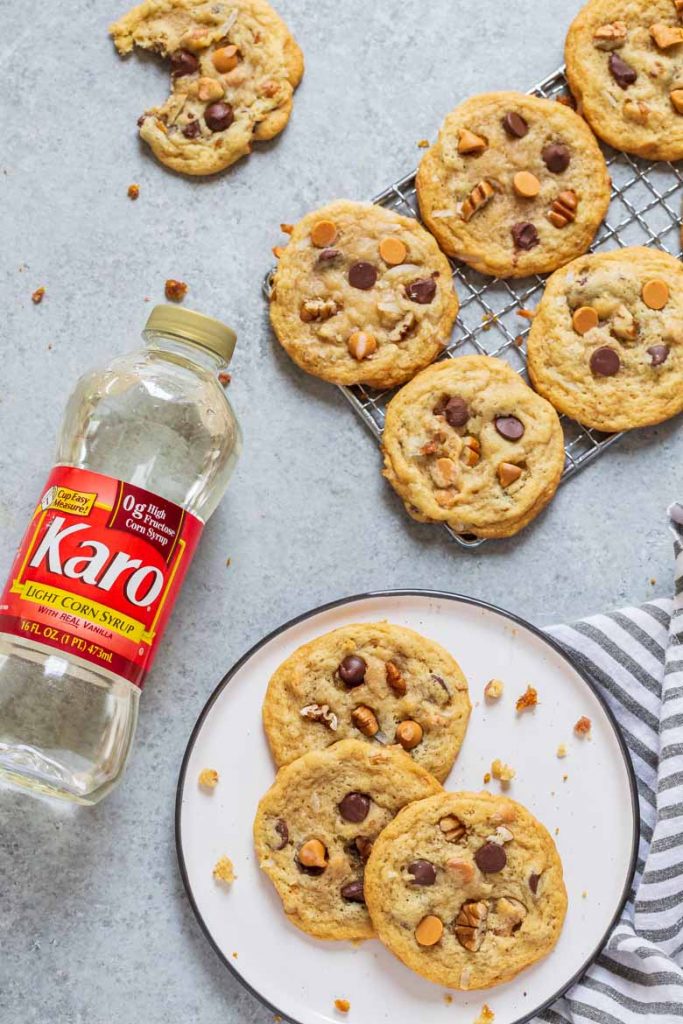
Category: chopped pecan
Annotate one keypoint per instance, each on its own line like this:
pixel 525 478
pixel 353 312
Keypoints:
pixel 610 37
pixel 365 720
pixel 320 713
pixel 395 679
pixel 403 328
pixel 480 195
pixel 318 309
pixel 563 210
pixel 636 110
pixel 470 925
pixel 453 828
pixel 623 324
pixel 528 700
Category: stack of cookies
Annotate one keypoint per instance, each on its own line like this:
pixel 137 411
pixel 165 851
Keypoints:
pixel 359 837
pixel 514 186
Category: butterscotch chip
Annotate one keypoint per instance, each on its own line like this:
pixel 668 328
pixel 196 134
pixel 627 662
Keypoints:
pixel 342 1005
pixel 323 233
pixel 175 290
pixel 468 142
pixel 666 36
pixel 393 251
pixel 526 184
pixel 208 778
pixel 528 700
pixel 225 59
pixel 656 293
pixel 362 345
pixel 676 97
pixel 133 191
pixel 224 872
pixel 409 734
pixel 38 296
pixel 583 726
pixel 313 854
pixel 508 473
pixel 585 319
pixel 429 930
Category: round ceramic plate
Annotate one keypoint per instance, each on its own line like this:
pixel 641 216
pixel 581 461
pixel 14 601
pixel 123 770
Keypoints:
pixel 587 801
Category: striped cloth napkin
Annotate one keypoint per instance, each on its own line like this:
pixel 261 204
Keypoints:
pixel 636 657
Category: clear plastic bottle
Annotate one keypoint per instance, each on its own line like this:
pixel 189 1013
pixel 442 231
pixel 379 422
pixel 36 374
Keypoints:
pixel 146 450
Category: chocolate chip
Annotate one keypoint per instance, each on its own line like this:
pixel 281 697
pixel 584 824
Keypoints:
pixel 183 63
pixel 352 892
pixel 556 157
pixel 622 73
pixel 327 255
pixel 355 807
pixel 509 427
pixel 283 832
pixel 605 362
pixel 525 236
pixel 219 116
pixel 490 858
pixel 352 670
pixel 362 275
pixel 515 125
pixel 191 130
pixel 456 412
pixel 422 290
pixel 423 872
pixel 659 354
pixel 534 879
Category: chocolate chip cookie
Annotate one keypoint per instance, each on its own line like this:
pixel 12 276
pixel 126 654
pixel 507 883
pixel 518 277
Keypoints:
pixel 515 185
pixel 606 345
pixel 234 68
pixel 467 443
pixel 362 296
pixel 625 68
pixel 371 681
pixel 315 827
pixel 466 889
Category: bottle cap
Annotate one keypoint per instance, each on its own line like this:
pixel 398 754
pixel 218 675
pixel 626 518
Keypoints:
pixel 194 327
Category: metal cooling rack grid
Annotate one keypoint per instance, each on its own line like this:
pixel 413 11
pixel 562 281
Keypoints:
pixel 641 213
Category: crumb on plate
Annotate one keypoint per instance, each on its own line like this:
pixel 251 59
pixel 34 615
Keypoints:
pixel 342 1005
pixel 133 191
pixel 487 1016
pixel 562 750
pixel 38 296
pixel 175 290
pixel 583 726
pixel 527 701
pixel 423 144
pixel 208 778
pixel 224 871
pixel 503 772
pixel 493 690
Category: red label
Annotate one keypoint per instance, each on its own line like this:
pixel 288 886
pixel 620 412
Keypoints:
pixel 98 571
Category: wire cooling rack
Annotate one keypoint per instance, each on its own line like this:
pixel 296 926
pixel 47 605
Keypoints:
pixel 643 211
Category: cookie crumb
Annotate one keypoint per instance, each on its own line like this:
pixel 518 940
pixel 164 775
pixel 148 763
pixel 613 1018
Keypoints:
pixel 175 290
pixel 287 229
pixel 277 251
pixel 208 778
pixel 583 726
pixel 557 831
pixel 567 100
pixel 653 581
pixel 493 690
pixel 448 998
pixel 487 1016
pixel 342 1005
pixel 423 144
pixel 228 563
pixel 224 379
pixel 561 750
pixel 584 894
pixel 527 701
pixel 526 314
pixel 564 778
pixel 235 955
pixel 519 340
pixel 487 778
pixel 503 772
pixel 224 871
pixel 133 191
pixel 38 296
pixel 488 320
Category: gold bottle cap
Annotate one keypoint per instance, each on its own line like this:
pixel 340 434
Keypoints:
pixel 194 327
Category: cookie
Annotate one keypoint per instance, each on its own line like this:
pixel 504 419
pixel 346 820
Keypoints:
pixel 468 444
pixel 466 889
pixel 371 681
pixel 515 185
pixel 624 68
pixel 234 68
pixel 606 345
pixel 362 296
pixel 315 827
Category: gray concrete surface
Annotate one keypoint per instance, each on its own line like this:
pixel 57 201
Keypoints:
pixel 94 926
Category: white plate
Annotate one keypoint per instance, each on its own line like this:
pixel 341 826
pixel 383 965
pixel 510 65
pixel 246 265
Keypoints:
pixel 593 814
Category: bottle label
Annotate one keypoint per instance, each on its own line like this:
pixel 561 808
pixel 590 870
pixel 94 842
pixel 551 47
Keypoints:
pixel 98 571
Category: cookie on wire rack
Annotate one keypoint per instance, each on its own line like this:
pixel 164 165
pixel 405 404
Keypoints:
pixel 362 295
pixel 624 67
pixel 515 185
pixel 467 443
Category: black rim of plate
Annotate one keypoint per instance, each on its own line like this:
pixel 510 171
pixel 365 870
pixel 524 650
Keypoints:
pixel 441 596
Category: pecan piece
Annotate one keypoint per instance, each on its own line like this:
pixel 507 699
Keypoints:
pixel 318 310
pixel 563 210
pixel 365 720
pixel 610 37
pixel 403 328
pixel 395 679
pixel 320 713
pixel 480 195
pixel 453 828
pixel 470 925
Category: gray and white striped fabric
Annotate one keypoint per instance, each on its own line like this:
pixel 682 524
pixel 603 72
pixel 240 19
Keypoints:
pixel 636 658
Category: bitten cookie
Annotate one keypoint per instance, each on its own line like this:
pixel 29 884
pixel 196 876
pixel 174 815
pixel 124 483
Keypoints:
pixel 606 345
pixel 234 68
pixel 315 827
pixel 625 68
pixel 467 443
pixel 466 889
pixel 515 185
pixel 375 682
pixel 362 295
